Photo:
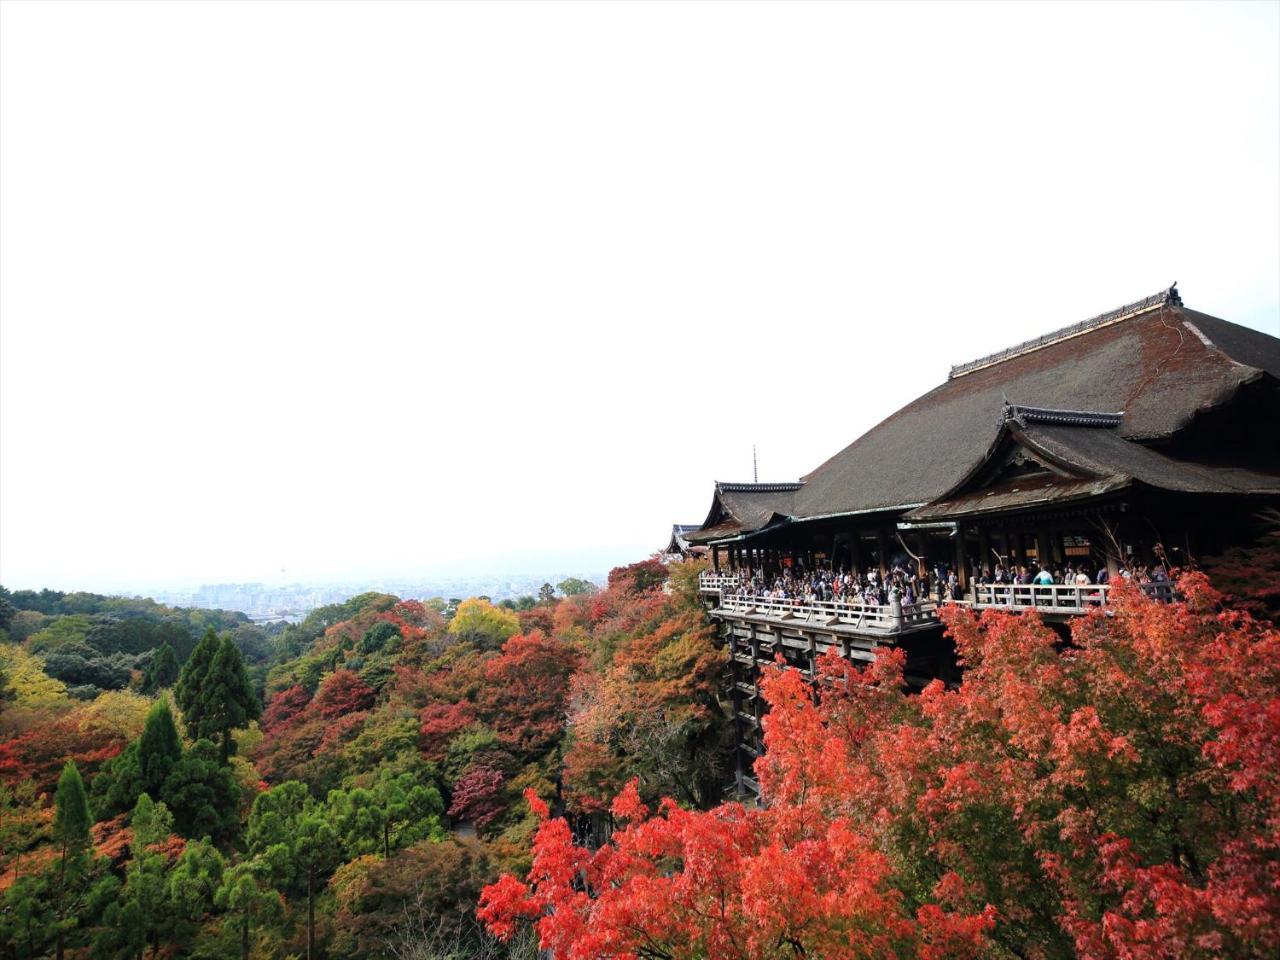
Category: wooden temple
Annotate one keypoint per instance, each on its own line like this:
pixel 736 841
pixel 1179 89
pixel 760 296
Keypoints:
pixel 1148 435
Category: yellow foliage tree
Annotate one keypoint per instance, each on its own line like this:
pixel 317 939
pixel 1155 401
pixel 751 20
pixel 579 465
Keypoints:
pixel 34 696
pixel 484 624
pixel 117 711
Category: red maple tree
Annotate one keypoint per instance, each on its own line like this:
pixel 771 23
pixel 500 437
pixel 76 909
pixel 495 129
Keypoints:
pixel 1117 796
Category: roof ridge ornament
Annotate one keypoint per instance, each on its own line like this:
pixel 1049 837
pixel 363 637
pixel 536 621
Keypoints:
pixel 1022 415
pixel 780 487
pixel 1169 297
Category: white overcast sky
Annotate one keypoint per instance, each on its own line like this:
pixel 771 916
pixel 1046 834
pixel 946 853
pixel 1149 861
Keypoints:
pixel 309 291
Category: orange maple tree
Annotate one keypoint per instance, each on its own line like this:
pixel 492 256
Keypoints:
pixel 1114 796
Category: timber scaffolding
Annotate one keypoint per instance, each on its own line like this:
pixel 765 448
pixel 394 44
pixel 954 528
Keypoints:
pixel 757 630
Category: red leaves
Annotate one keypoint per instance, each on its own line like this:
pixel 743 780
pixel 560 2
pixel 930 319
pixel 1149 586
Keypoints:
pixel 477 796
pixel 440 722
pixel 281 710
pixel 526 692
pixel 1118 797
pixel 341 693
pixel 627 805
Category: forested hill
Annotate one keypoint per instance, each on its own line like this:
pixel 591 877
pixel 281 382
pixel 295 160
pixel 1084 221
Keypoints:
pixel 184 783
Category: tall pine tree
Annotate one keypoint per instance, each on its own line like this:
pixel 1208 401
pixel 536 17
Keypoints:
pixel 159 748
pixel 214 692
pixel 71 824
pixel 163 670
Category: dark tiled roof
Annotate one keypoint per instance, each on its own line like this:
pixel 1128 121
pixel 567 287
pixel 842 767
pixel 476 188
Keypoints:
pixel 1110 461
pixel 1106 453
pixel 740 508
pixel 1160 365
pixel 1016 496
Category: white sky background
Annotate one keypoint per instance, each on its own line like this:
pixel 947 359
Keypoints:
pixel 347 290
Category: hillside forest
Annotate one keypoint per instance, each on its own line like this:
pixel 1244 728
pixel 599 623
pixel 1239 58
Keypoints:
pixel 428 780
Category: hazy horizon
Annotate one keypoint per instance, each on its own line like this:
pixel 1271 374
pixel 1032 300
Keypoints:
pixel 348 292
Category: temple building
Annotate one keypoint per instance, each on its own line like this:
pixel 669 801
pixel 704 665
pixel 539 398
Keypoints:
pixel 678 548
pixel 1142 438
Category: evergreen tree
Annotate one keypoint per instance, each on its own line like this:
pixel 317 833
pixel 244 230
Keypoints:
pixel 298 846
pixel 163 670
pixel 159 748
pixel 194 675
pixel 194 880
pixel 139 915
pixel 247 900
pixel 117 785
pixel 214 692
pixel 202 794
pixel 71 824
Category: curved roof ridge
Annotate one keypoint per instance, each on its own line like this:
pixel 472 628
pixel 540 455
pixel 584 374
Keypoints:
pixel 1068 418
pixel 1169 297
pixel 785 486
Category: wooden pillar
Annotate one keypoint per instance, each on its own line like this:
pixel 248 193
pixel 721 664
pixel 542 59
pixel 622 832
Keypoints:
pixel 715 559
pixel 984 550
pixel 855 551
pixel 882 547
pixel 958 558
pixel 1044 552
pixel 918 542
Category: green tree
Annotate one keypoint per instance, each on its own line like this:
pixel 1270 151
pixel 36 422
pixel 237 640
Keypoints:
pixel 202 793
pixel 142 767
pixel 573 587
pixel 159 748
pixel 214 692
pixel 71 824
pixel 410 810
pixel 194 674
pixel 140 916
pixel 194 882
pixel 292 835
pixel 382 635
pixel 163 670
pixel 249 902
pixel 357 820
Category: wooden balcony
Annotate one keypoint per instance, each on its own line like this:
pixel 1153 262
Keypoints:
pixel 857 617
pixel 718 582
pixel 1056 598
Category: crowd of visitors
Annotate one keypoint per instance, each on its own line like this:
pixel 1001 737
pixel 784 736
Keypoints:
pixel 1074 574
pixel 906 582
pixel 848 586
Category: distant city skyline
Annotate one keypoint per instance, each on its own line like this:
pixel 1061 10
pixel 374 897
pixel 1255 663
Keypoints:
pixel 335 292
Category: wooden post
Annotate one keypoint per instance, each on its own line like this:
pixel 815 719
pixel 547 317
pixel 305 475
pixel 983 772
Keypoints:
pixel 882 542
pixel 1044 552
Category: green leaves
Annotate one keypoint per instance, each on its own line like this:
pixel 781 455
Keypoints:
pixel 214 692
pixel 71 814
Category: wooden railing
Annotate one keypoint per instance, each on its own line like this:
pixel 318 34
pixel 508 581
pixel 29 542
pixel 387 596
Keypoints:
pixel 873 616
pixel 1057 597
pixel 709 582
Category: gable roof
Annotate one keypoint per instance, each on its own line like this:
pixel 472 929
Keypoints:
pixel 1087 456
pixel 738 508
pixel 1155 360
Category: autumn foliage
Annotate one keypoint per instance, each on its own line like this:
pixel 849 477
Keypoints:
pixel 1114 797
